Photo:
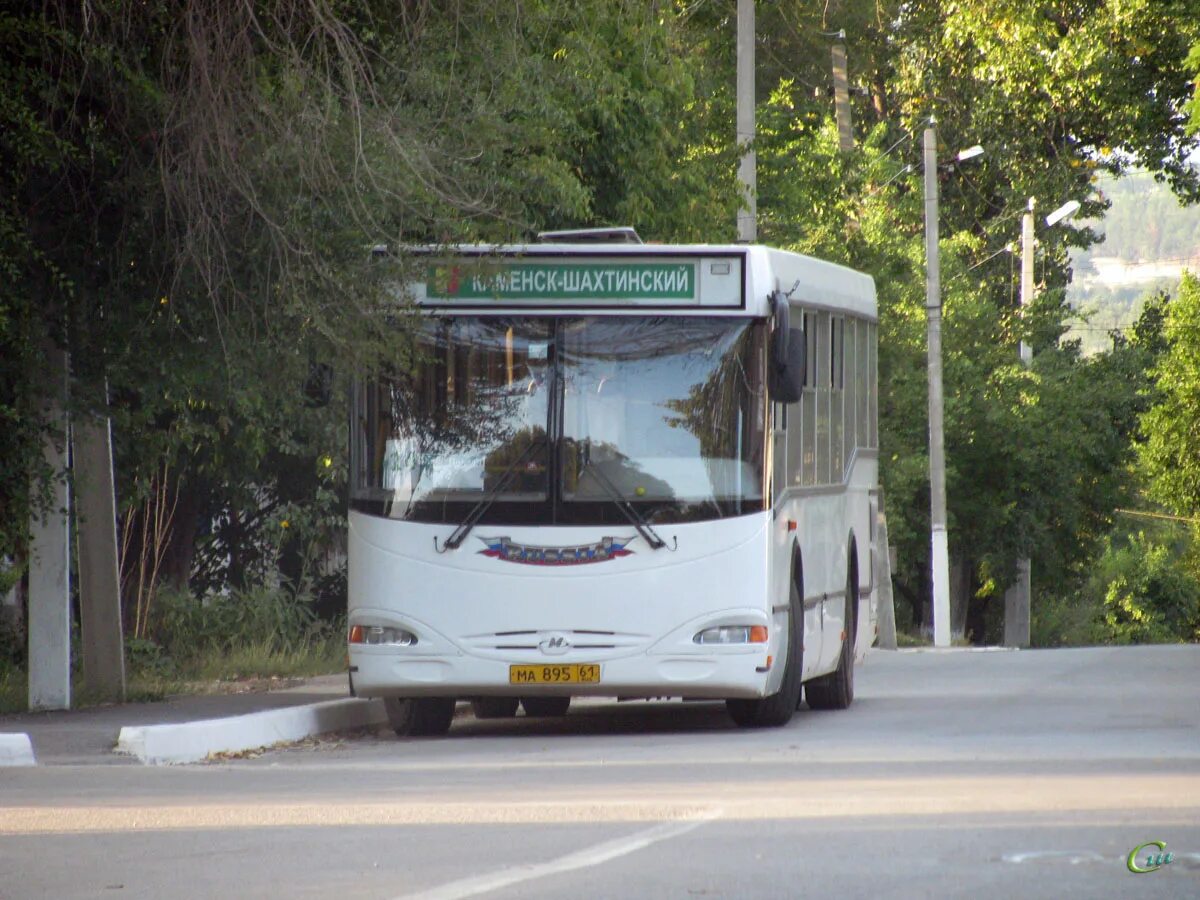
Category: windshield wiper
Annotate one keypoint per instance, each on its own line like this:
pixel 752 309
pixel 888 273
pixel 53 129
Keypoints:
pixel 636 519
pixel 460 533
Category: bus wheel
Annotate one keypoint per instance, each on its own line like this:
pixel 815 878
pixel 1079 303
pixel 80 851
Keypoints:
pixel 836 690
pixel 420 716
pixel 777 709
pixel 495 707
pixel 546 706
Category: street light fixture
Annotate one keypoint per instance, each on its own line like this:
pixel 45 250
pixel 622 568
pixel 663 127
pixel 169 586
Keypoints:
pixel 1065 211
pixel 938 538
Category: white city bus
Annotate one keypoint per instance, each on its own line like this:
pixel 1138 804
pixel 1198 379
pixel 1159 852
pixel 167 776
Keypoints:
pixel 622 470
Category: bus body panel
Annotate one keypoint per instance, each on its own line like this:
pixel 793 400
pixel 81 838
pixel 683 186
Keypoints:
pixel 475 614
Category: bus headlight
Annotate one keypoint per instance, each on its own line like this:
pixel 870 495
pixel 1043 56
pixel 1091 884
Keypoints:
pixel 733 634
pixel 381 634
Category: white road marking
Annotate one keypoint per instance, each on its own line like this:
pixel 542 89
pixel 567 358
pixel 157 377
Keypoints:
pixel 1074 857
pixel 582 859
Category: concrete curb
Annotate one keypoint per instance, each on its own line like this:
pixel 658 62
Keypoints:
pixel 16 750
pixel 193 741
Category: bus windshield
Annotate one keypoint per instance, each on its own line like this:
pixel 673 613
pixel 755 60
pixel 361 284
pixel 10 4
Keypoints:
pixel 669 411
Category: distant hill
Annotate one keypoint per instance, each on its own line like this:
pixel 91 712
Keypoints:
pixel 1149 240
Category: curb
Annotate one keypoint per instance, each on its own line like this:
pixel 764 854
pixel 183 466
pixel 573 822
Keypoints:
pixel 194 741
pixel 16 750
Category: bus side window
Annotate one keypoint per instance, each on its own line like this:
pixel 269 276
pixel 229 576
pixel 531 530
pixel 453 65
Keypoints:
pixel 808 404
pixel 837 398
pixel 822 398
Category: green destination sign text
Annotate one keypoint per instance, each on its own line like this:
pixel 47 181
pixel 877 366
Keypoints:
pixel 564 281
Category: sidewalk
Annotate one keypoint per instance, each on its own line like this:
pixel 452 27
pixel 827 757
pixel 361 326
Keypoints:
pixel 89 736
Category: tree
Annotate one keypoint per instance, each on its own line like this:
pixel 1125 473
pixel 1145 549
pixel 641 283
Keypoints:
pixel 190 194
pixel 1170 450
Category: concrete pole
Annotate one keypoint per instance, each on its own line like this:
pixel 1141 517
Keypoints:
pixel 747 220
pixel 939 542
pixel 886 609
pixel 99 579
pixel 50 558
pixel 1027 271
pixel 841 98
pixel 1017 599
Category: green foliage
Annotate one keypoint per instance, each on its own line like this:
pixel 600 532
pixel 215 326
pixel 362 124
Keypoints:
pixel 1193 106
pixel 1170 452
pixel 1147 596
pixel 1139 588
pixel 274 619
pixel 1058 620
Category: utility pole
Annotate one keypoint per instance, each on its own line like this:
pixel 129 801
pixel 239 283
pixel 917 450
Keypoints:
pixel 841 95
pixel 50 559
pixel 747 218
pixel 1027 271
pixel 1016 598
pixel 102 642
pixel 939 541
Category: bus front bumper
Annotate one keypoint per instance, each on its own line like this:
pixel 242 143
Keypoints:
pixel 728 672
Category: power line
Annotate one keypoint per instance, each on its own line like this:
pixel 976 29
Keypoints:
pixel 1150 515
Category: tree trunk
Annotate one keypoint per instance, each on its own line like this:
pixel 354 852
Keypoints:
pixel 960 596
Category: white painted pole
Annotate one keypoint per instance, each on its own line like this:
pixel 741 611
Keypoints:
pixel 1017 599
pixel 1027 271
pixel 939 542
pixel 50 562
pixel 747 219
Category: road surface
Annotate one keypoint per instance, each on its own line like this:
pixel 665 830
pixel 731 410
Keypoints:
pixel 955 773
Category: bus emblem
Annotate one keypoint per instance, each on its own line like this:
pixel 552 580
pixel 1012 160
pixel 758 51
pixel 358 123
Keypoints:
pixel 601 551
pixel 555 645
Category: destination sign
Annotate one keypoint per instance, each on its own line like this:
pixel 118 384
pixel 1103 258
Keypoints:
pixel 583 281
pixel 566 281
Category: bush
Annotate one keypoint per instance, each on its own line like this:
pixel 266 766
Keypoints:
pixel 1145 593
pixel 271 619
pixel 1070 621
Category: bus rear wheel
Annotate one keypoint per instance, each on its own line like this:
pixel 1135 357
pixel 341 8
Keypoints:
pixel 419 716
pixel 495 707
pixel 546 706
pixel 777 709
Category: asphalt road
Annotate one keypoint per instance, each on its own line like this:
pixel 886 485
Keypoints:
pixel 981 774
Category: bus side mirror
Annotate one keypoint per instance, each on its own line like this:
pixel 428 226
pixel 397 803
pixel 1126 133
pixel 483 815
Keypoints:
pixel 318 386
pixel 788 383
pixel 787 353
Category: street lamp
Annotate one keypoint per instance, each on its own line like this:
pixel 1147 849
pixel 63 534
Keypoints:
pixel 939 540
pixel 1017 599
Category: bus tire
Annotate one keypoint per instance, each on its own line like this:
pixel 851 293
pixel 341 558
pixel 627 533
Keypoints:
pixel 495 707
pixel 836 690
pixel 777 709
pixel 419 716
pixel 546 706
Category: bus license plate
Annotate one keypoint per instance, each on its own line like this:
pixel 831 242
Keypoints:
pixel 581 673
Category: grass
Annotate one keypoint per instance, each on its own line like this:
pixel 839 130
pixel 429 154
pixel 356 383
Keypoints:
pixel 247 667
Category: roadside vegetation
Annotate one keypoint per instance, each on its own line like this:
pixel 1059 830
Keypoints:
pixel 189 191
